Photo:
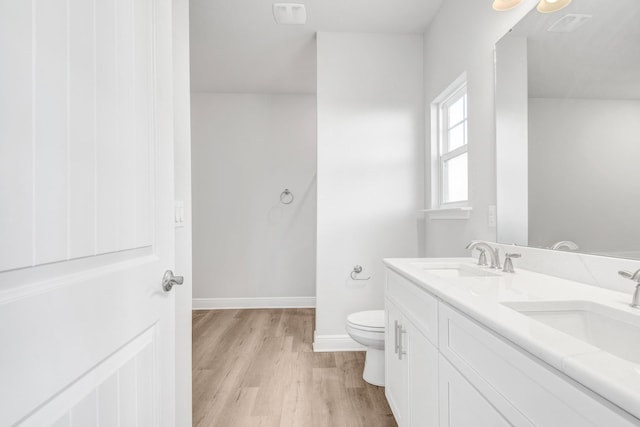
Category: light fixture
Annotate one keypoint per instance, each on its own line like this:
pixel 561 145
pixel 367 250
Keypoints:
pixel 545 6
pixel 289 13
pixel 502 5
pixel 550 6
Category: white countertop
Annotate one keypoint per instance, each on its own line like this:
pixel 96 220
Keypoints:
pixel 480 298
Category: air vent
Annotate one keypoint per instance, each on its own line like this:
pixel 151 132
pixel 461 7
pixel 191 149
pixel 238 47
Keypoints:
pixel 289 13
pixel 568 23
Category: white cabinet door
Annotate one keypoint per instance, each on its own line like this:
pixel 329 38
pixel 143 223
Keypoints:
pixel 461 405
pixel 423 379
pixel 86 225
pixel 396 372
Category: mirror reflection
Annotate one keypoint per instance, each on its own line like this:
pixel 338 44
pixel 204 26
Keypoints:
pixel 568 129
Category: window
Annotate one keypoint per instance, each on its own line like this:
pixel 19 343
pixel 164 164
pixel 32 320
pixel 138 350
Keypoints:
pixel 450 173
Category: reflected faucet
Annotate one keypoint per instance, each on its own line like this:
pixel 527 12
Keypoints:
pixel 635 302
pixel 564 244
pixel 482 258
pixel 493 252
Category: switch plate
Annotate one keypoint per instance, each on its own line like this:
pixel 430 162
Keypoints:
pixel 178 216
pixel 492 216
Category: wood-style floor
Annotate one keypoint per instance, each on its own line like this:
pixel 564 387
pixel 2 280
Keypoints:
pixel 258 368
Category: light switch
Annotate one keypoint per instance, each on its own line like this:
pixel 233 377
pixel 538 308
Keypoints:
pixel 178 217
pixel 491 216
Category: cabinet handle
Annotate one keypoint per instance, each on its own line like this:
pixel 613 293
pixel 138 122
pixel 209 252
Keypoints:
pixel 395 337
pixel 401 351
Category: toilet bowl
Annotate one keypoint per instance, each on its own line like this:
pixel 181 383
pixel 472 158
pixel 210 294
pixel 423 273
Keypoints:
pixel 367 328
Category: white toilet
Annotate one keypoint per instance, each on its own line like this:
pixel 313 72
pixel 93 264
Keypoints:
pixel 367 328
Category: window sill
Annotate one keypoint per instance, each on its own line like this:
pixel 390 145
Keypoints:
pixel 449 213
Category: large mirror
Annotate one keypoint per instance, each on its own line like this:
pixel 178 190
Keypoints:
pixel 568 129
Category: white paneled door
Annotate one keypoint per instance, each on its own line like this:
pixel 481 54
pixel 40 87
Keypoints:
pixel 86 232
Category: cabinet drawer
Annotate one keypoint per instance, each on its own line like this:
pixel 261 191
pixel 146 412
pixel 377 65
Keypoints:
pixel 541 395
pixel 418 305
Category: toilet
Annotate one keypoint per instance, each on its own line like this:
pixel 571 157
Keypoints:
pixel 367 328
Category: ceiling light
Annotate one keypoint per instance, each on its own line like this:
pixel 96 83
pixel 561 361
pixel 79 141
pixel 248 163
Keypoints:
pixel 502 5
pixel 550 6
pixel 545 6
pixel 289 13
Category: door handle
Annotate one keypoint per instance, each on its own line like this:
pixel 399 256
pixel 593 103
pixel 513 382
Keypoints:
pixel 169 280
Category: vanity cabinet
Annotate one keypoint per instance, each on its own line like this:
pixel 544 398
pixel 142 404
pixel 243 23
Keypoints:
pixel 461 405
pixel 411 359
pixel 524 389
pixel 444 368
pixel 422 364
pixel 396 369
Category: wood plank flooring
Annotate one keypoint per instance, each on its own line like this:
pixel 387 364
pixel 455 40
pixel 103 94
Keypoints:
pixel 258 368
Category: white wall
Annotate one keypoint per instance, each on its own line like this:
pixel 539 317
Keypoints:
pixel 370 169
pixel 461 39
pixel 246 150
pixel 581 149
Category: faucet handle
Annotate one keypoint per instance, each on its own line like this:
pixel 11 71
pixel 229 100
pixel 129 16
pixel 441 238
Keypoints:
pixel 624 273
pixel 629 275
pixel 482 258
pixel 508 264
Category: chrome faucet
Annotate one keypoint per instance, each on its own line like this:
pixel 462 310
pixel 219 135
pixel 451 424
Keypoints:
pixel 482 258
pixel 493 252
pixel 635 302
pixel 568 244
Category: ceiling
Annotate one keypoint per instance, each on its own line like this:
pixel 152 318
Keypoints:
pixel 236 47
pixel 599 60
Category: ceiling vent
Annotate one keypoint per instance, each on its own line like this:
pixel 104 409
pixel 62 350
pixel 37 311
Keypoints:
pixel 568 23
pixel 289 13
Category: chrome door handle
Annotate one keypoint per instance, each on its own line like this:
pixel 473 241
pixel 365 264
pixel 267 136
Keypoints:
pixel 169 280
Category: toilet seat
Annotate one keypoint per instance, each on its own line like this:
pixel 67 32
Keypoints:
pixel 371 321
pixel 367 329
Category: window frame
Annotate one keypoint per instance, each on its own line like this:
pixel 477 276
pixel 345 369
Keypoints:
pixel 439 142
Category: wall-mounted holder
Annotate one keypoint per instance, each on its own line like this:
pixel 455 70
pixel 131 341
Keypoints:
pixel 357 269
pixel 286 197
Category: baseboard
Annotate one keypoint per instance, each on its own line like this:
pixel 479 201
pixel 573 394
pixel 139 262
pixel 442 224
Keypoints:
pixel 267 302
pixel 325 343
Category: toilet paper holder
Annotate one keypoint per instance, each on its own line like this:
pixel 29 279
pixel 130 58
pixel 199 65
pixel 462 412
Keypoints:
pixel 357 269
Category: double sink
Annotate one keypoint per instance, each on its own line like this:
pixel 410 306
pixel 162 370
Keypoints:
pixel 612 330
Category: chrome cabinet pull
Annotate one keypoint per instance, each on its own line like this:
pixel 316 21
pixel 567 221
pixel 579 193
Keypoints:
pixel 401 351
pixel 395 336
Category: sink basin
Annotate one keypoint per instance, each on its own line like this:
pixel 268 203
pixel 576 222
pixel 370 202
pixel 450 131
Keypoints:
pixel 450 270
pixel 614 331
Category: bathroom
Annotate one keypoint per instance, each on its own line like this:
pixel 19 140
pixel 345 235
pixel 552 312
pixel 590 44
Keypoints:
pixel 303 155
pixel 362 195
